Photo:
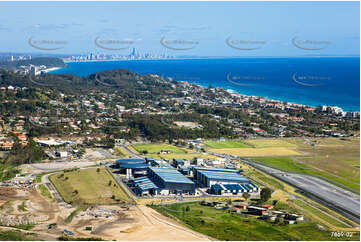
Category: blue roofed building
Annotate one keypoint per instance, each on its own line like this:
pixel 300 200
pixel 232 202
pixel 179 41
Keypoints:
pixel 171 181
pixel 130 161
pixel 180 162
pixel 210 176
pixel 233 189
pixel 132 166
pixel 151 161
pixel 144 186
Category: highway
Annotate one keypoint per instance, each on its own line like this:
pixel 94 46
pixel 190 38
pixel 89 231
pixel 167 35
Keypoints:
pixel 336 198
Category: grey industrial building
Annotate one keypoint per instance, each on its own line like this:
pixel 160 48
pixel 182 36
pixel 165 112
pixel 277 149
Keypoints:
pixel 170 181
pixel 210 176
pixel 132 166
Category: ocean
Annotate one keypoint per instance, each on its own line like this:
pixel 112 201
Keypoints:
pixel 313 81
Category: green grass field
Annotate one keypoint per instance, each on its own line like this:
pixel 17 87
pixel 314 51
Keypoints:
pixel 319 214
pixel 289 164
pixel 183 156
pixel 332 158
pixel 155 148
pixel 253 148
pixel 258 152
pixel 226 144
pixel 44 191
pixel 92 187
pixel 73 214
pixel 263 179
pixel 266 143
pixel 7 171
pixel 22 207
pixel 119 151
pixel 223 225
pixel 14 235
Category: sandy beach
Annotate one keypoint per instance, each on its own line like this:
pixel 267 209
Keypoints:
pixel 51 69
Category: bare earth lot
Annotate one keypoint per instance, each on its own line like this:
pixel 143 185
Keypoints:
pixel 128 223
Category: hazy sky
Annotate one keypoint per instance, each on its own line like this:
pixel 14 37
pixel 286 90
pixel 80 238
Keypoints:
pixel 197 28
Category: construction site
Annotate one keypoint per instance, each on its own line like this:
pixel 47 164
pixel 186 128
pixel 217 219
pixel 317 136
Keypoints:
pixel 26 210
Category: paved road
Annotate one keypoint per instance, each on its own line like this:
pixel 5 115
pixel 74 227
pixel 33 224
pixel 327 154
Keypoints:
pixel 54 166
pixel 134 155
pixel 106 154
pixel 336 198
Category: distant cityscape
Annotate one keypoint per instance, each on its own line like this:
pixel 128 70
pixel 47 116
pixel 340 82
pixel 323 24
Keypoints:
pixel 133 55
pixel 33 69
pixel 92 56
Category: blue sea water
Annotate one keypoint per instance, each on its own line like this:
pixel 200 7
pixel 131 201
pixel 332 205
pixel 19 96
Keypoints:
pixel 310 81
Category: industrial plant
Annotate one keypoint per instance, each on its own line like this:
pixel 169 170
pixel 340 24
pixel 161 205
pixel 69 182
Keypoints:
pixel 158 178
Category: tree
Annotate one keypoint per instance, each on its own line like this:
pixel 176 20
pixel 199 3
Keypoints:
pixel 279 220
pixel 109 183
pixel 246 195
pixel 188 209
pixel 98 169
pixel 266 194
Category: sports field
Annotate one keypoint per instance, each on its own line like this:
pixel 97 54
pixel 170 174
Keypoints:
pixel 88 186
pixel 155 148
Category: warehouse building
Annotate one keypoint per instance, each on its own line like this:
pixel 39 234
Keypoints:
pixel 180 162
pixel 144 186
pixel 122 162
pixel 132 167
pixel 151 161
pixel 170 181
pixel 233 189
pixel 210 176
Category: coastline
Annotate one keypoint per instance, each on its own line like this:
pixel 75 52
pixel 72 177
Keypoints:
pixel 47 70
pixel 306 103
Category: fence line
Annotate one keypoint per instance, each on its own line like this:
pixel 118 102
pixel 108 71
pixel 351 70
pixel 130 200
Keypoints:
pixel 122 186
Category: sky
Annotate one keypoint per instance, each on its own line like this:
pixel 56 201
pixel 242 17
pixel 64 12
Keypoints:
pixel 182 28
